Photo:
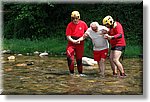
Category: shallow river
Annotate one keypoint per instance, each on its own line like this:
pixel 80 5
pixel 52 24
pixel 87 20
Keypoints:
pixel 50 76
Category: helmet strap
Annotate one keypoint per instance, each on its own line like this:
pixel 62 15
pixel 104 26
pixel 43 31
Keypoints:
pixel 111 26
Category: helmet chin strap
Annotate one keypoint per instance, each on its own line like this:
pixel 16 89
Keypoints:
pixel 111 26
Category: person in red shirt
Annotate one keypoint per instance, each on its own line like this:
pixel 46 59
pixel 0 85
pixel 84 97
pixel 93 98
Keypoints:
pixel 75 29
pixel 117 42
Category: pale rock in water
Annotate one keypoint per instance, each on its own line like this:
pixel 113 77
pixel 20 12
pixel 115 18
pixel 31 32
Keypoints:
pixel 20 55
pixel 11 58
pixel 6 51
pixel 36 52
pixel 1 90
pixel 43 54
pixel 88 61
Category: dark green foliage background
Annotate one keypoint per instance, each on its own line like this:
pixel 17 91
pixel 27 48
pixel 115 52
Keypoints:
pixel 41 20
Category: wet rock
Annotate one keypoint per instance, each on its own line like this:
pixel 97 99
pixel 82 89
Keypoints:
pixel 91 81
pixel 1 90
pixel 49 76
pixel 8 69
pixel 21 65
pixel 6 51
pixel 19 54
pixel 43 54
pixel 25 64
pixel 55 55
pixel 11 58
pixel 1 58
pixel 30 63
pixel 88 61
pixel 28 54
pixel 36 53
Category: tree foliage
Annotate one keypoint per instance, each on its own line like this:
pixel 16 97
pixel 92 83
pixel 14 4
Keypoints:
pixel 42 20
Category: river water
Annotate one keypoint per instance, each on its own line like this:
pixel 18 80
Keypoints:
pixel 33 75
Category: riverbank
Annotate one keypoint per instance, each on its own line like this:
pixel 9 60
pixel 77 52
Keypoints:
pixel 56 46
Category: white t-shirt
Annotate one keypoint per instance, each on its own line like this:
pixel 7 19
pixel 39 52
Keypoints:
pixel 98 40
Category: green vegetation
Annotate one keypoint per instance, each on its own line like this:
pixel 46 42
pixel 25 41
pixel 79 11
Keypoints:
pixel 56 46
pixel 30 27
pixel 133 51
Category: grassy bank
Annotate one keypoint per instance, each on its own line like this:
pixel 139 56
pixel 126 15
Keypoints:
pixel 56 46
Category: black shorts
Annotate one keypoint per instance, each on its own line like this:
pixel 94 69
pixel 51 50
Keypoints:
pixel 119 48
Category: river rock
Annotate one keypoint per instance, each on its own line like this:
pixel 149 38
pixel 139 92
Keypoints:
pixel 11 58
pixel 36 52
pixel 43 54
pixel 88 61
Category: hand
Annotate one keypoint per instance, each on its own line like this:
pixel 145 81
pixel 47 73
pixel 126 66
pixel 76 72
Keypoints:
pixel 76 41
pixel 104 31
pixel 110 37
pixel 106 36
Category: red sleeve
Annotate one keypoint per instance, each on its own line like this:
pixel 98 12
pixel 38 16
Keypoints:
pixel 117 36
pixel 119 31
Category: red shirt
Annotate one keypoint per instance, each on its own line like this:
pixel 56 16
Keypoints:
pixel 116 32
pixel 76 30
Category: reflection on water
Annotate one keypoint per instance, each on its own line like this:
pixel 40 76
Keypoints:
pixel 50 75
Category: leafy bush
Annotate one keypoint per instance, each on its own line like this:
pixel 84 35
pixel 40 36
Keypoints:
pixel 43 20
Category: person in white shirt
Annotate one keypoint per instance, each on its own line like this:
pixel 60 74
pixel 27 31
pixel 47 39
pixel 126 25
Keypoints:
pixel 100 49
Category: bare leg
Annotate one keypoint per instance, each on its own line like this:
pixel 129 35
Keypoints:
pixel 101 65
pixel 98 62
pixel 116 57
pixel 113 66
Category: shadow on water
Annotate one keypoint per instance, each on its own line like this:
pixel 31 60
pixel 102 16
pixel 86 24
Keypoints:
pixel 34 75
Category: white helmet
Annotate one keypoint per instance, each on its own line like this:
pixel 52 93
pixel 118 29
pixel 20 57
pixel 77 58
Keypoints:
pixel 94 24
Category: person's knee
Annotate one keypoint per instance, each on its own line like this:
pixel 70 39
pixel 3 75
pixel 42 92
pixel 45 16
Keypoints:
pixel 79 61
pixel 102 60
pixel 69 61
pixel 115 60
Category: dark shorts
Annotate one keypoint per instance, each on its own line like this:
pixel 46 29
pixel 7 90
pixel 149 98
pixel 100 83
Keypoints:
pixel 119 48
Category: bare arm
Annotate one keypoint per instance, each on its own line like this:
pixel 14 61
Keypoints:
pixel 70 39
pixel 83 37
